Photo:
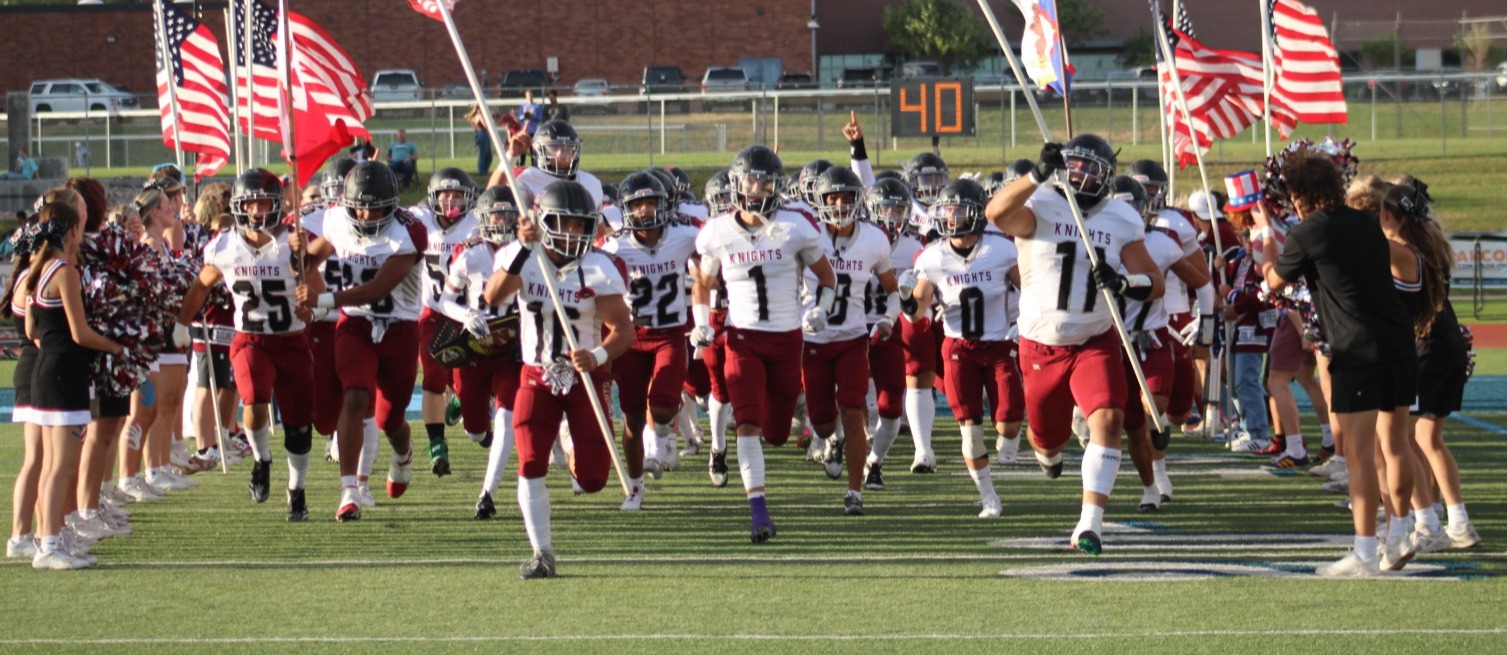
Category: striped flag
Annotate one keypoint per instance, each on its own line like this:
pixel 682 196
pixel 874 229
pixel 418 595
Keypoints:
pixel 189 66
pixel 318 57
pixel 257 84
pixel 431 8
pixel 1041 51
pixel 1307 82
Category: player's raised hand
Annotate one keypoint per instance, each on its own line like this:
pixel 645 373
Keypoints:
pixel 852 132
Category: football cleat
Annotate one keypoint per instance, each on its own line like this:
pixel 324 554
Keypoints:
pixel 1052 469
pixel 832 456
pixel 350 505
pixel 852 504
pixel 993 507
pixel 484 507
pixel 635 499
pixel 298 510
pixel 439 458
pixel 1007 450
pixel 452 412
pixel 364 495
pixel 1286 461
pixel 399 474
pixel 1323 455
pixel 874 477
pixel 924 463
pixel 261 481
pixel 541 565
pixel 816 451
pixel 1150 502
pixel 717 469
pixel 1350 566
pixel 1088 543
pixel 1160 440
pixel 762 531
pixel 653 468
pixel 670 455
pixel 1462 538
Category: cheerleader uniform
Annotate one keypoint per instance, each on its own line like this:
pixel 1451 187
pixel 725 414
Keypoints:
pixel 26 363
pixel 60 381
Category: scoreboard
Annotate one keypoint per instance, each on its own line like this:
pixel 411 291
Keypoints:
pixel 932 106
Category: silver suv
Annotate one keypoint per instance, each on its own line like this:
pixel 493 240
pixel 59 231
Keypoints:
pixel 77 95
pixel 399 84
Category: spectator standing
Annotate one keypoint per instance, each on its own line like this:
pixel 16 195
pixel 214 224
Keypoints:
pixel 528 115
pixel 483 141
pixel 554 110
pixel 403 158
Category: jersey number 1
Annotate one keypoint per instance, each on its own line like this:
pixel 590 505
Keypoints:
pixel 1068 250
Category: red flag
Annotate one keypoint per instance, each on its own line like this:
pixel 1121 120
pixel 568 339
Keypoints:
pixel 318 55
pixel 189 65
pixel 1307 80
pixel 431 8
pixel 322 123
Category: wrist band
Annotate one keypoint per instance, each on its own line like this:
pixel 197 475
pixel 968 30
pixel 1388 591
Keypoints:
pixel 600 354
pixel 701 315
pixel 857 150
pixel 326 300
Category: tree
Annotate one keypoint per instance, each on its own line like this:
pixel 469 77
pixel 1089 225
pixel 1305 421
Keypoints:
pixel 1079 21
pixel 940 30
pixel 1140 50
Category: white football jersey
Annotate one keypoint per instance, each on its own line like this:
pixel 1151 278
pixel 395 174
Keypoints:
pixel 857 261
pixel 695 210
pixel 261 281
pixel 1175 300
pixel 1059 303
pixel 313 223
pixel 762 270
pixel 361 257
pixel 580 283
pixel 974 290
pixel 903 255
pixel 656 274
pixel 442 243
pixel 1140 316
pixel 471 265
pixel 534 180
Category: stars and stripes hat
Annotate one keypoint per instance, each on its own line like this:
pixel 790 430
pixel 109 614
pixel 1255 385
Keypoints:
pixel 1244 190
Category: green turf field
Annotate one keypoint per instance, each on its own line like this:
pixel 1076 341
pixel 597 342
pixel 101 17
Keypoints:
pixel 208 571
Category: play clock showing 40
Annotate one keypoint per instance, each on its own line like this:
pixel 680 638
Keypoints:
pixel 932 106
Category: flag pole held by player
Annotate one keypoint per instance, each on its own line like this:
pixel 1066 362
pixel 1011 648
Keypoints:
pixel 1072 203
pixel 443 8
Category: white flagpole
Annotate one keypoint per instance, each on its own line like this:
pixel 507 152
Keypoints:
pixel 1268 71
pixel 544 264
pixel 1046 135
pixel 172 83
pixel 248 52
pixel 233 47
pixel 285 95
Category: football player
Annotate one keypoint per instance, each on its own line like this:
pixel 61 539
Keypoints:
pixel 760 252
pixel 591 288
pixel 379 247
pixel 269 352
pixel 651 375
pixel 970 271
pixel 557 156
pixel 889 207
pixel 1069 350
pixel 835 365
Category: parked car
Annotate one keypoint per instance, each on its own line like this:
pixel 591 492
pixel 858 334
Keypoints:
pixel 795 81
pixel 456 91
pixel 860 78
pixel 1445 86
pixel 591 87
pixel 79 95
pixel 720 79
pixel 516 82
pixel 396 84
pixel 663 79
pixel 920 69
pixel 1124 79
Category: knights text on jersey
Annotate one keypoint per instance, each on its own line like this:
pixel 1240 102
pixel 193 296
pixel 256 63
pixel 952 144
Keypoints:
pixel 442 242
pixel 974 290
pixel 261 281
pixel 762 270
pixel 361 257
pixel 656 274
pixel 903 255
pixel 1165 251
pixel 1059 303
pixel 857 261
pixel 580 283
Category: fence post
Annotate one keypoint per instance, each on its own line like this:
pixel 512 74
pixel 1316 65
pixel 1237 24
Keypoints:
pixel 1135 115
pixel 776 119
pixel 451 111
pixel 110 162
pixel 1012 118
pixel 1464 121
pixel 662 126
pixel 1109 110
pixel 1373 109
pixel 821 126
pixel 1443 124
pixel 434 132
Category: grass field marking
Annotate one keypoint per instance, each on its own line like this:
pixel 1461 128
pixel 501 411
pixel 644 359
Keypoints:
pixel 1490 427
pixel 1164 571
pixel 1284 631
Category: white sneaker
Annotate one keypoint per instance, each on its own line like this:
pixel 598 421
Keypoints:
pixel 1350 566
pixel 164 481
pixel 364 495
pixel 178 455
pixel 111 509
pixel 349 508
pixel 92 530
pixel 117 496
pixel 1465 537
pixel 1423 541
pixel 231 456
pixel 137 490
pixel 653 468
pixel 993 507
pixel 669 454
pixel 399 474
pixel 924 463
pixel 1246 444
pixel 815 451
pixel 57 560
pixel 1342 474
pixel 76 548
pixel 635 499
pixel 1343 503
pixel 21 547
pixel 1007 449
pixel 181 477
pixel 119 526
pixel 1396 556
pixel 1329 467
pixel 1337 486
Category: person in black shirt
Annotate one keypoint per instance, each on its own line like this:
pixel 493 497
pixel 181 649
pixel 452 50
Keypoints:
pixel 1344 257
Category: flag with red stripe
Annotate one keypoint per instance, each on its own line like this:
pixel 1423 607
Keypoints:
pixel 431 8
pixel 1307 78
pixel 189 68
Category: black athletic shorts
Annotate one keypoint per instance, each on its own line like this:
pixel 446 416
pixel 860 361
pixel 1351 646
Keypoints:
pixel 1384 386
pixel 112 406
pixel 224 379
pixel 1440 393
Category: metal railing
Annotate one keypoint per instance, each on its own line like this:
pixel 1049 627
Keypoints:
pixel 1383 106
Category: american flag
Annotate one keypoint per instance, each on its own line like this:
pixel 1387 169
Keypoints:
pixel 189 67
pixel 263 88
pixel 1307 79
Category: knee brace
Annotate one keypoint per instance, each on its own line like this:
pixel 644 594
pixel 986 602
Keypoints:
pixel 298 440
pixel 973 442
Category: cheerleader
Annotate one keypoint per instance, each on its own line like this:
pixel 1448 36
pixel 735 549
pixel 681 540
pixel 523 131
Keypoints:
pixel 22 543
pixel 60 399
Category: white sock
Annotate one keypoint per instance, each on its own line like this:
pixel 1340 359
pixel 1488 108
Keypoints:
pixel 1458 518
pixel 685 421
pixel 369 435
pixel 347 481
pixel 1163 481
pixel 650 440
pixel 1428 520
pixel 298 470
pixel 665 435
pixel 1328 435
pixel 261 440
pixel 751 465
pixel 871 401
pixel 1397 528
pixel 533 499
pixel 984 482
pixel 502 445
pixel 49 544
pixel 1091 517
pixel 1100 466
pixel 920 412
pixel 1045 460
pixel 1295 448
pixel 720 413
pixel 884 437
pixel 1365 547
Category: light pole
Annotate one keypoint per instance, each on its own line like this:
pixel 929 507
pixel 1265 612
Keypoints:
pixel 814 26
